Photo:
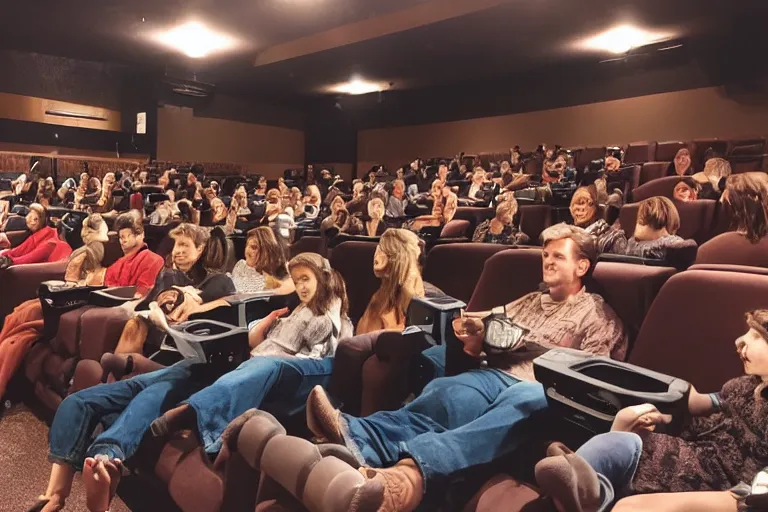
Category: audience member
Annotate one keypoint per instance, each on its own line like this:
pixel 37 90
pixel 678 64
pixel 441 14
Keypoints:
pixel 375 225
pixel 686 190
pixel 501 229
pixel 24 326
pixel 197 274
pixel 473 418
pixel 681 165
pixel 41 246
pixel 264 266
pixel 714 459
pixel 444 208
pixel 746 199
pixel 396 264
pixel 138 266
pixel 397 200
pixel 586 214
pixel 655 231
pixel 712 178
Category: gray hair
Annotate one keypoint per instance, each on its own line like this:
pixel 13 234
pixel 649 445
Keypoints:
pixel 585 242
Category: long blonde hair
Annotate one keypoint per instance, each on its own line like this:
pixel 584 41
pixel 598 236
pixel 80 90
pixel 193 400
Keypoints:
pixel 402 280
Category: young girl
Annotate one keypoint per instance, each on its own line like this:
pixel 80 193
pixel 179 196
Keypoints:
pixel 725 445
pixel 264 266
pixel 302 344
pixel 396 263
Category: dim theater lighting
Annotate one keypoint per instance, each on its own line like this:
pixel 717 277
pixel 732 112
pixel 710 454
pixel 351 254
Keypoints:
pixel 622 39
pixel 195 40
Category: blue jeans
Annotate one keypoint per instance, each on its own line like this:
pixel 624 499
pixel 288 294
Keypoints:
pixel 125 409
pixel 282 384
pixel 614 457
pixel 456 423
pixel 435 357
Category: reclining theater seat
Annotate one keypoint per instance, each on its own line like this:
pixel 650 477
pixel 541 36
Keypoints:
pixel 535 218
pixel 689 332
pixel 697 219
pixel 666 151
pixel 354 261
pixel 640 152
pixel 382 363
pixel 20 283
pixel 733 249
pixel 663 186
pixel 456 268
pixel 50 365
pixel 651 171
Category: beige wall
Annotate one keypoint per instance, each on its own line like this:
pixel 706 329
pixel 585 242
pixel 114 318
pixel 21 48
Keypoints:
pixel 28 108
pixel 266 150
pixel 680 115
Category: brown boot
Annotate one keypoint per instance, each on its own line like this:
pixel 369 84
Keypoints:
pixel 323 419
pixel 403 486
pixel 571 483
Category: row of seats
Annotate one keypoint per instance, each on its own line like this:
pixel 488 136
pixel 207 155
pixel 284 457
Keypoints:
pixel 672 316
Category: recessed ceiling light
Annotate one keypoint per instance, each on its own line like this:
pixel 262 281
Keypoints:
pixel 358 86
pixel 195 40
pixel 622 39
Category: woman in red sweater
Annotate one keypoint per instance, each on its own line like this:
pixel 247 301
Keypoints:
pixel 42 246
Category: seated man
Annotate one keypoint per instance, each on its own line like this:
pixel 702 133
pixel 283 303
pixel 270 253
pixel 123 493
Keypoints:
pixel 478 416
pixel 138 266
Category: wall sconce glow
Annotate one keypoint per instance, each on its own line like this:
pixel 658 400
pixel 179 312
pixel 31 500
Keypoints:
pixel 622 39
pixel 195 40
pixel 358 86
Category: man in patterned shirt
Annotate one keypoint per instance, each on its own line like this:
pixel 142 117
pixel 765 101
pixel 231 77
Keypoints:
pixel 473 418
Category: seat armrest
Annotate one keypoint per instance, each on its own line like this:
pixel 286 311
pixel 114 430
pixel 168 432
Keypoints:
pixel 111 297
pixel 21 282
pixel 100 330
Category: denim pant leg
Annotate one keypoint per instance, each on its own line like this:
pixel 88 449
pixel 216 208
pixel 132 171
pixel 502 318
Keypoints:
pixel 80 413
pixel 436 357
pixel 501 429
pixel 614 457
pixel 446 403
pixel 249 385
pixel 162 390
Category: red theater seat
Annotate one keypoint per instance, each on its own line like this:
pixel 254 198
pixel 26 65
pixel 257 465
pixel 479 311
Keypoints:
pixel 534 219
pixel 640 152
pixel 733 249
pixel 651 171
pixel 697 219
pixel 662 186
pixel 666 151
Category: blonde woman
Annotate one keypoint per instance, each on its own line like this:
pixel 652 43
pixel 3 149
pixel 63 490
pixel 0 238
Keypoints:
pixel 396 263
pixel 501 229
pixel 712 178
pixel 375 226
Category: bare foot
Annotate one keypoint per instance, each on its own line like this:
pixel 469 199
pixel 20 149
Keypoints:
pixel 100 479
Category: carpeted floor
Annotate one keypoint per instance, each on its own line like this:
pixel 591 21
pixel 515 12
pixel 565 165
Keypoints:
pixel 24 467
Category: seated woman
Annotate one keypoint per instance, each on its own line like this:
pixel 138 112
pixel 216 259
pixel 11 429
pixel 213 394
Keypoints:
pixel 220 211
pixel 586 214
pixel 46 191
pixel 746 198
pixel 712 178
pixel 87 191
pixel 198 258
pixel 264 266
pixel 704 468
pixel 655 231
pixel 396 264
pixel 291 355
pixel 336 204
pixel 501 229
pixel 24 325
pixel 681 165
pixel 105 204
pixel 375 225
pixel 42 246
pixel 686 190
pixel 478 192
pixel 443 208
pixel 274 207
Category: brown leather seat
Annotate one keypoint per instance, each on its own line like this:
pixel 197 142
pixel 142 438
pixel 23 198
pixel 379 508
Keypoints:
pixel 588 154
pixel 734 249
pixel 666 151
pixel 697 219
pixel 699 148
pixel 640 152
pixel 651 171
pixel 457 228
pixel 662 186
pixel 354 261
pixel 534 219
pixel 456 268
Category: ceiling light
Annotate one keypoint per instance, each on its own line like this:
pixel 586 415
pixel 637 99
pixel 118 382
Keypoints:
pixel 622 39
pixel 195 40
pixel 358 86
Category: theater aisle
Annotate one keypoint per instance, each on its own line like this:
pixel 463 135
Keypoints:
pixel 24 467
